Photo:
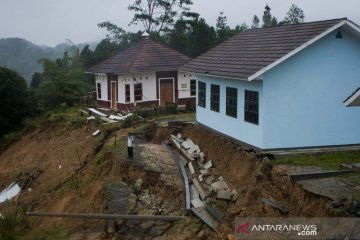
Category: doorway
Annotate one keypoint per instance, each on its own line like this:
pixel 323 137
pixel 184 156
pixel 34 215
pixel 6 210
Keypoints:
pixel 166 90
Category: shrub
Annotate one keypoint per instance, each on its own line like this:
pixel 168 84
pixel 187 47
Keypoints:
pixel 170 108
pixel 144 113
pixel 266 168
pixel 128 122
pixel 11 225
pixel 8 139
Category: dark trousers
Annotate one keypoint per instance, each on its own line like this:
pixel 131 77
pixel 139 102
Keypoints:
pixel 130 152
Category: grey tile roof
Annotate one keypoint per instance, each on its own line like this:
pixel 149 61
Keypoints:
pixel 251 50
pixel 144 56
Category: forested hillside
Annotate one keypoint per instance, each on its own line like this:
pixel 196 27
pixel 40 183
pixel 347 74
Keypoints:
pixel 23 56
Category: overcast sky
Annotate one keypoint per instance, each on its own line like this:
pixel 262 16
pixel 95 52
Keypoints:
pixel 49 22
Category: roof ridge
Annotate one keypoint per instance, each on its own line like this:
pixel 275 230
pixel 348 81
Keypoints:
pixel 298 24
pixel 174 50
pixel 137 53
pixel 255 51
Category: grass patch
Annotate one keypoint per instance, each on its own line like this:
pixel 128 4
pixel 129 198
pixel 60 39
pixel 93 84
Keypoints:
pixel 56 233
pixel 69 116
pixel 8 139
pixel 328 161
pixel 12 224
pixel 189 116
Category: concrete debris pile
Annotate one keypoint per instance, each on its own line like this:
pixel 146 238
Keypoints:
pixel 112 118
pixel 204 181
pixel 204 176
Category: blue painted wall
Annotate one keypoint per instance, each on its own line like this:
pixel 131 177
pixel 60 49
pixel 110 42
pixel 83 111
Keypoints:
pixel 304 96
pixel 233 127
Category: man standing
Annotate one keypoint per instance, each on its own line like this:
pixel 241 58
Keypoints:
pixel 130 144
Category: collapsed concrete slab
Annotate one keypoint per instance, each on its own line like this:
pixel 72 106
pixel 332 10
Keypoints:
pixel 274 205
pixel 179 140
pixel 197 203
pixel 188 144
pixel 219 185
pixel 199 188
pixel 191 168
pixel 194 149
pixel 208 164
pixel 206 217
pixel 223 195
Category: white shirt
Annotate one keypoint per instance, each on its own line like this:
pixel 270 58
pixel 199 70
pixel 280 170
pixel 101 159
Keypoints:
pixel 130 141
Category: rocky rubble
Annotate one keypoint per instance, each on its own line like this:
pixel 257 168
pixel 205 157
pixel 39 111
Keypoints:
pixel 207 182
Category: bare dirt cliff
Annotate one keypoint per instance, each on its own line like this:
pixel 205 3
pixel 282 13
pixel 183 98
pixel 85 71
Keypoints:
pixel 63 168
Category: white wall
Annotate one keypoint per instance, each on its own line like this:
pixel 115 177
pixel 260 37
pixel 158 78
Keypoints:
pixel 184 84
pixel 148 81
pixel 102 79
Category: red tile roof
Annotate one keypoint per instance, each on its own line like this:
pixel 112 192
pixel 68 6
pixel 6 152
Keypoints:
pixel 252 50
pixel 144 56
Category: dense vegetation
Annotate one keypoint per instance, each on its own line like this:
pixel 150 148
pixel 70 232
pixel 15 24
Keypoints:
pixel 62 80
pixel 15 99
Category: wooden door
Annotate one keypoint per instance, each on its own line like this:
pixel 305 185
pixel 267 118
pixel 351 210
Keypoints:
pixel 166 91
pixel 113 95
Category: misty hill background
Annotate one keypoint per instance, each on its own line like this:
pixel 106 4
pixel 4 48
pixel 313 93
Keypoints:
pixel 22 55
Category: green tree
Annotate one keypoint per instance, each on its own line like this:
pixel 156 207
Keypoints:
pixel 295 15
pixel 255 22
pixel 64 81
pixel 116 33
pixel 223 31
pixel 268 19
pixel 178 36
pixel 36 80
pixel 156 15
pixel 15 100
pixel 105 49
pixel 201 38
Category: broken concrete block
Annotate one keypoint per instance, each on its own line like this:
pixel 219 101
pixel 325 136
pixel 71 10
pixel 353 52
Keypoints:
pixel 179 140
pixel 200 177
pixel 194 155
pixel 223 195
pixel 234 195
pixel 175 143
pixel 90 118
pixel 208 164
pixel 193 149
pixel 179 136
pixel 219 185
pixel 191 168
pixel 197 203
pixel 199 188
pixel 187 144
pixel 211 189
pixel 186 155
pixel 96 133
pixel 204 172
pixel 209 180
pixel 220 178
